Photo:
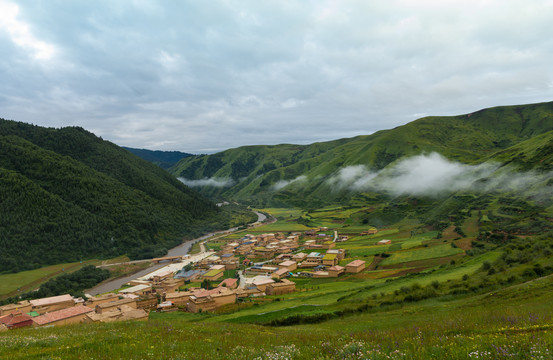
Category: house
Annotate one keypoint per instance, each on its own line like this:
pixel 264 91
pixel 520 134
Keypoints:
pixel 384 242
pixel 178 298
pixel 370 231
pixel 299 257
pixel 336 271
pixel 214 273
pixel 72 315
pixel 311 232
pixel 209 300
pixel 97 300
pixel 330 259
pixel 321 274
pixel 22 306
pixel 261 284
pixel 278 288
pixel 314 257
pixel 142 289
pixel 229 283
pixel 355 266
pixel 328 245
pixel 189 275
pixel 113 305
pixel 15 320
pixel 280 273
pixel 52 303
pixel 340 253
pixel 289 265
pixel 168 285
pixel 121 314
pixel 163 276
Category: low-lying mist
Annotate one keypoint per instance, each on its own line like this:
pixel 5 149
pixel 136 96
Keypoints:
pixel 214 182
pixel 434 175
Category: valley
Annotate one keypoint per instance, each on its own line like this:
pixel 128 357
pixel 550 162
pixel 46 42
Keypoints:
pixel 430 240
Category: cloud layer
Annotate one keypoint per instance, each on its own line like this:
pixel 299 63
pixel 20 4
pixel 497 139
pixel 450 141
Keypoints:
pixel 206 76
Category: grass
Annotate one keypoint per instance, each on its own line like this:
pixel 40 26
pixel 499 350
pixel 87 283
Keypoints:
pixel 27 280
pixel 430 252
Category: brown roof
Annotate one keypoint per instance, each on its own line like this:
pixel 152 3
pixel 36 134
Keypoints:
pixel 356 263
pixel 51 300
pixel 228 282
pixel 336 268
pixel 61 314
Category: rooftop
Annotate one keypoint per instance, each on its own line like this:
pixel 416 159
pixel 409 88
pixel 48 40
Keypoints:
pixel 61 314
pixel 356 263
pixel 51 300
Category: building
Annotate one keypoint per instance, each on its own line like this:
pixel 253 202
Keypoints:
pixel 261 284
pixel 278 288
pixel 97 300
pixel 16 320
pixel 113 305
pixel 178 298
pixel 229 283
pixel 280 273
pixel 328 245
pixel 340 253
pixel 330 259
pixel 72 315
pixel 336 271
pixel 321 274
pixel 288 265
pixel 52 303
pixel 370 231
pixel 139 290
pixel 163 276
pixel 124 313
pixel 355 266
pixel 384 242
pixel 209 300
pixel 22 306
pixel 214 273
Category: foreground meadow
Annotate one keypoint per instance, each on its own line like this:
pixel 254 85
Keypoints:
pixel 508 324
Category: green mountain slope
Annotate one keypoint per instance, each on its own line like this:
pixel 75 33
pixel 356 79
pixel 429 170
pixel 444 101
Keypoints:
pixel 163 159
pixel 280 174
pixel 67 195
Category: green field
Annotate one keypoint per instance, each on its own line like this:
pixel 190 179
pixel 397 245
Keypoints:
pixel 422 254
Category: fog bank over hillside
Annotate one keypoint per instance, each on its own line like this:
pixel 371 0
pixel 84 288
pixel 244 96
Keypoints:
pixel 433 175
pixel 213 182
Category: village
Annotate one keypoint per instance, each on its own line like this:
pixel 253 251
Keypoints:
pixel 251 267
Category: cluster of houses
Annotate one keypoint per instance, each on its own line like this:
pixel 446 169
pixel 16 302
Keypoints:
pixel 269 259
pixel 65 309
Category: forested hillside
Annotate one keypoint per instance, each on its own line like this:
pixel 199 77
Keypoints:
pixel 163 159
pixel 67 195
pixel 299 175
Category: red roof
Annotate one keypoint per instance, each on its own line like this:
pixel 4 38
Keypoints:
pixel 16 320
pixel 61 314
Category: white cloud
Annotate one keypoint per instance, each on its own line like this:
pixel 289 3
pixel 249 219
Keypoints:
pixel 213 182
pixel 434 175
pixel 20 33
pixel 283 183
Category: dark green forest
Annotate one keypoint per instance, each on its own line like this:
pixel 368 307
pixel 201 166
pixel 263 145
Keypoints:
pixel 67 195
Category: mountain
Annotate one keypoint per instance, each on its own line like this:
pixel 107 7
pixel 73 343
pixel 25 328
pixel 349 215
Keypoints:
pixel 163 159
pixel 67 195
pixel 299 174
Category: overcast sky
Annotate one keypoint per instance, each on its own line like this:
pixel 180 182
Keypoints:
pixel 203 76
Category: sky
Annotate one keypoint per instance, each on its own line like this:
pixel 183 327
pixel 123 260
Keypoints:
pixel 205 76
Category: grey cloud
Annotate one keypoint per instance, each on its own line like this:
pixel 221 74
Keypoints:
pixel 213 75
